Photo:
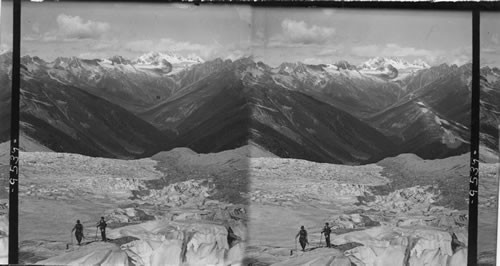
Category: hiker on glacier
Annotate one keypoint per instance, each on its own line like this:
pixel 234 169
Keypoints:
pixel 231 236
pixel 78 228
pixel 302 235
pixel 102 225
pixel 327 230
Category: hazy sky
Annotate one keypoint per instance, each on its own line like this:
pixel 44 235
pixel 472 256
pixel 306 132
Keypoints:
pixel 490 39
pixel 272 35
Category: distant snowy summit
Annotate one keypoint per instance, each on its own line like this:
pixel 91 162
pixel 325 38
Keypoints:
pixel 393 68
pixel 398 63
pixel 386 68
pixel 166 60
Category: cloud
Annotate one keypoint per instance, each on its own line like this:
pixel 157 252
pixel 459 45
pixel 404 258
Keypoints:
pixel 105 45
pixel 32 37
pixel 245 13
pixel 395 50
pixel 4 47
pixel 48 36
pixel 335 50
pixel 6 41
pixel 69 29
pixel 92 55
pixel 366 50
pixel 236 54
pixel 457 56
pixel 259 34
pixel 391 49
pixel 181 46
pixel 36 27
pixel 140 46
pixel 495 39
pixel 328 11
pixel 490 50
pixel 299 33
pixel 460 60
pixel 164 44
pixel 170 45
pixel 74 27
pixel 181 6
pixel 313 61
pixel 400 51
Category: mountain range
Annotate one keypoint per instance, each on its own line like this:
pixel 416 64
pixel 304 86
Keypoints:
pixel 336 112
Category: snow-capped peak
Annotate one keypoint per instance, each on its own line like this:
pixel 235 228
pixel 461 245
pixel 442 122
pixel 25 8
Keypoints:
pixel 157 58
pixel 398 63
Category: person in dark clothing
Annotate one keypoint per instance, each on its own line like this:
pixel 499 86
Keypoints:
pixel 78 228
pixel 231 236
pixel 102 225
pixel 327 230
pixel 302 235
pixel 455 243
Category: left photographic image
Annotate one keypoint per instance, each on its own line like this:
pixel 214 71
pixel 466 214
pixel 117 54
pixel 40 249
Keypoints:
pixel 134 146
pixel 5 110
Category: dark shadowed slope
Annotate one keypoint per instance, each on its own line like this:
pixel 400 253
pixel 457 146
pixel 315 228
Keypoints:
pixel 66 119
pixel 116 80
pixel 490 107
pixel 302 110
pixel 208 116
pixel 228 108
pixel 431 121
pixel 293 125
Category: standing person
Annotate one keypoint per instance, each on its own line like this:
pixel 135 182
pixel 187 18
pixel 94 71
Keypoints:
pixel 231 236
pixel 102 225
pixel 327 230
pixel 302 235
pixel 78 228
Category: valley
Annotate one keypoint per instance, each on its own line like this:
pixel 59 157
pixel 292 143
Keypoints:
pixel 174 151
pixel 422 110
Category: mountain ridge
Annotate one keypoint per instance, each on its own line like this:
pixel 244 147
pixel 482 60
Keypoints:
pixel 366 96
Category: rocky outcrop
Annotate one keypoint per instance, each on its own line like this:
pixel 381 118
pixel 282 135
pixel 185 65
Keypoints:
pixel 412 199
pixel 192 193
pixel 355 220
pixel 127 215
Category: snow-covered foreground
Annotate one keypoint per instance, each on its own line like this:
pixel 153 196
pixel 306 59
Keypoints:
pixel 404 225
pixel 488 212
pixel 160 211
pixel 172 208
pixel 4 238
pixel 4 199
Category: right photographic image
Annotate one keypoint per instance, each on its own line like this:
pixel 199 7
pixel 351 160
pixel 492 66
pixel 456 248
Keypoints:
pixel 489 138
pixel 367 115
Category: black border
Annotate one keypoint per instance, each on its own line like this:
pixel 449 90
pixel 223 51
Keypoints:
pixel 458 5
pixel 473 7
pixel 474 143
pixel 14 135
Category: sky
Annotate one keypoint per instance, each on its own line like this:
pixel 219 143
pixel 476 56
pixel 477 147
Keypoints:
pixel 271 35
pixel 490 39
